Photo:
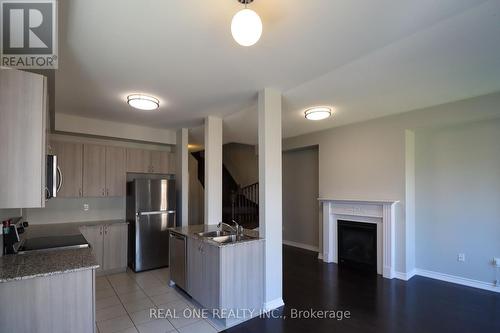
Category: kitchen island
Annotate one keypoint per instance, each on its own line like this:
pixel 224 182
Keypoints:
pixel 53 290
pixel 224 275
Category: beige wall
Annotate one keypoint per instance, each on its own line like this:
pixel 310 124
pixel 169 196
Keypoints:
pixel 366 161
pixel 300 193
pixel 457 199
pixel 242 162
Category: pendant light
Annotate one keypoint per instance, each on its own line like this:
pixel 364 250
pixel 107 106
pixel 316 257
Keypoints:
pixel 246 26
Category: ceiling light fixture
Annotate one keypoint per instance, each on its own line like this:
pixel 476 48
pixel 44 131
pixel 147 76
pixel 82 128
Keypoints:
pixel 318 113
pixel 143 102
pixel 246 26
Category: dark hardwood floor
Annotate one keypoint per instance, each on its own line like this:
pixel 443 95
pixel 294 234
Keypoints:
pixel 420 305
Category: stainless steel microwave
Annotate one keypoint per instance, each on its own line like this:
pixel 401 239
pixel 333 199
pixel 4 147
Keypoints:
pixel 54 179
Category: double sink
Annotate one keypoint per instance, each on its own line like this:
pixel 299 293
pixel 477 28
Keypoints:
pixel 224 237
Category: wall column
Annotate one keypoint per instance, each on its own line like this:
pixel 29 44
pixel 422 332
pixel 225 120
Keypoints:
pixel 213 170
pixel 182 177
pixel 270 196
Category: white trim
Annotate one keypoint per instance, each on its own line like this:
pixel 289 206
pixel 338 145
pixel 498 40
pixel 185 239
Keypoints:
pixel 381 211
pixel 405 276
pixel 457 280
pixel 272 305
pixel 301 245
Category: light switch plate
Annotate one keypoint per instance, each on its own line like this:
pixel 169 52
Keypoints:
pixel 461 257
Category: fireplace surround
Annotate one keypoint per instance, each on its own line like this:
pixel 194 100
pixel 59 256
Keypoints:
pixel 380 212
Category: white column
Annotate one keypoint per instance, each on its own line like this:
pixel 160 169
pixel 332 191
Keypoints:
pixel 270 196
pixel 213 170
pixel 182 177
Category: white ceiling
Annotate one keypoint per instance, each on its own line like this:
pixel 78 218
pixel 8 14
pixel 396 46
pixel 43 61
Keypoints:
pixel 366 58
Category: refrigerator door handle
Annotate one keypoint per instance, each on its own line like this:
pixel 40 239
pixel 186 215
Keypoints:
pixel 156 212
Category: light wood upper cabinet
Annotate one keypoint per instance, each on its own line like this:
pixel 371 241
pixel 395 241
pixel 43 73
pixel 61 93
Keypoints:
pixel 94 171
pixel 116 173
pixel 23 111
pixel 160 162
pixel 138 160
pixel 70 161
pixel 146 161
pixel 171 163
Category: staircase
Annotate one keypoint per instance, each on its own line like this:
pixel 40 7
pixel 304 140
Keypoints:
pixel 245 206
pixel 238 203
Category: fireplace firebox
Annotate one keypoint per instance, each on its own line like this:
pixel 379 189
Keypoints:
pixel 357 245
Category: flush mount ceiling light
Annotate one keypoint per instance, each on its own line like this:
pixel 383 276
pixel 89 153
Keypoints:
pixel 246 26
pixel 143 102
pixel 318 113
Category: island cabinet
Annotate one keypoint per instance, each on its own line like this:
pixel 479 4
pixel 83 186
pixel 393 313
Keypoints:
pixel 228 277
pixel 203 263
pixel 109 245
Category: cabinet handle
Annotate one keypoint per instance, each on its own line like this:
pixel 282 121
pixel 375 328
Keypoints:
pixel 107 192
pixel 100 230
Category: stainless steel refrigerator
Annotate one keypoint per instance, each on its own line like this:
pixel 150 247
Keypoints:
pixel 150 212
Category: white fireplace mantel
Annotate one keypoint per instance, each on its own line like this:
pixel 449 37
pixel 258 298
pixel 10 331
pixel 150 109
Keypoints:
pixel 381 212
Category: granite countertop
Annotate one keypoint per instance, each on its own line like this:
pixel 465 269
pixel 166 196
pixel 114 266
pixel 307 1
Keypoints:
pixel 191 231
pixel 38 264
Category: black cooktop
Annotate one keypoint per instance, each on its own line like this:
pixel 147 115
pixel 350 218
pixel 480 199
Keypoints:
pixel 53 242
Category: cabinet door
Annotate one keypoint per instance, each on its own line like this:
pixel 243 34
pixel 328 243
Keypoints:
pixel 22 139
pixel 94 171
pixel 156 157
pixel 94 236
pixel 195 269
pixel 70 161
pixel 115 246
pixel 138 160
pixel 116 175
pixel 211 270
pixel 171 163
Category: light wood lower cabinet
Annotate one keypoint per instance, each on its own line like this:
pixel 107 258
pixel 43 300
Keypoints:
pixel 115 246
pixel 226 277
pixel 109 243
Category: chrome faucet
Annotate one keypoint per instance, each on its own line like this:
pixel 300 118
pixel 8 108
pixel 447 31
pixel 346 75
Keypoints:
pixel 238 229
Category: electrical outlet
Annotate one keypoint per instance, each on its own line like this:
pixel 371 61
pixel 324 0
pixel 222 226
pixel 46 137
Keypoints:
pixel 461 257
pixel 86 207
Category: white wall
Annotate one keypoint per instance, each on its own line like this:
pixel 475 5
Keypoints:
pixel 300 193
pixel 368 160
pixel 458 199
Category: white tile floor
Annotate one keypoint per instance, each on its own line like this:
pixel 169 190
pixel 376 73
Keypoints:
pixel 123 303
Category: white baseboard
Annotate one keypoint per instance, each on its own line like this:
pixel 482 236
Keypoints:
pixel 274 304
pixel 301 245
pixel 458 280
pixel 404 276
